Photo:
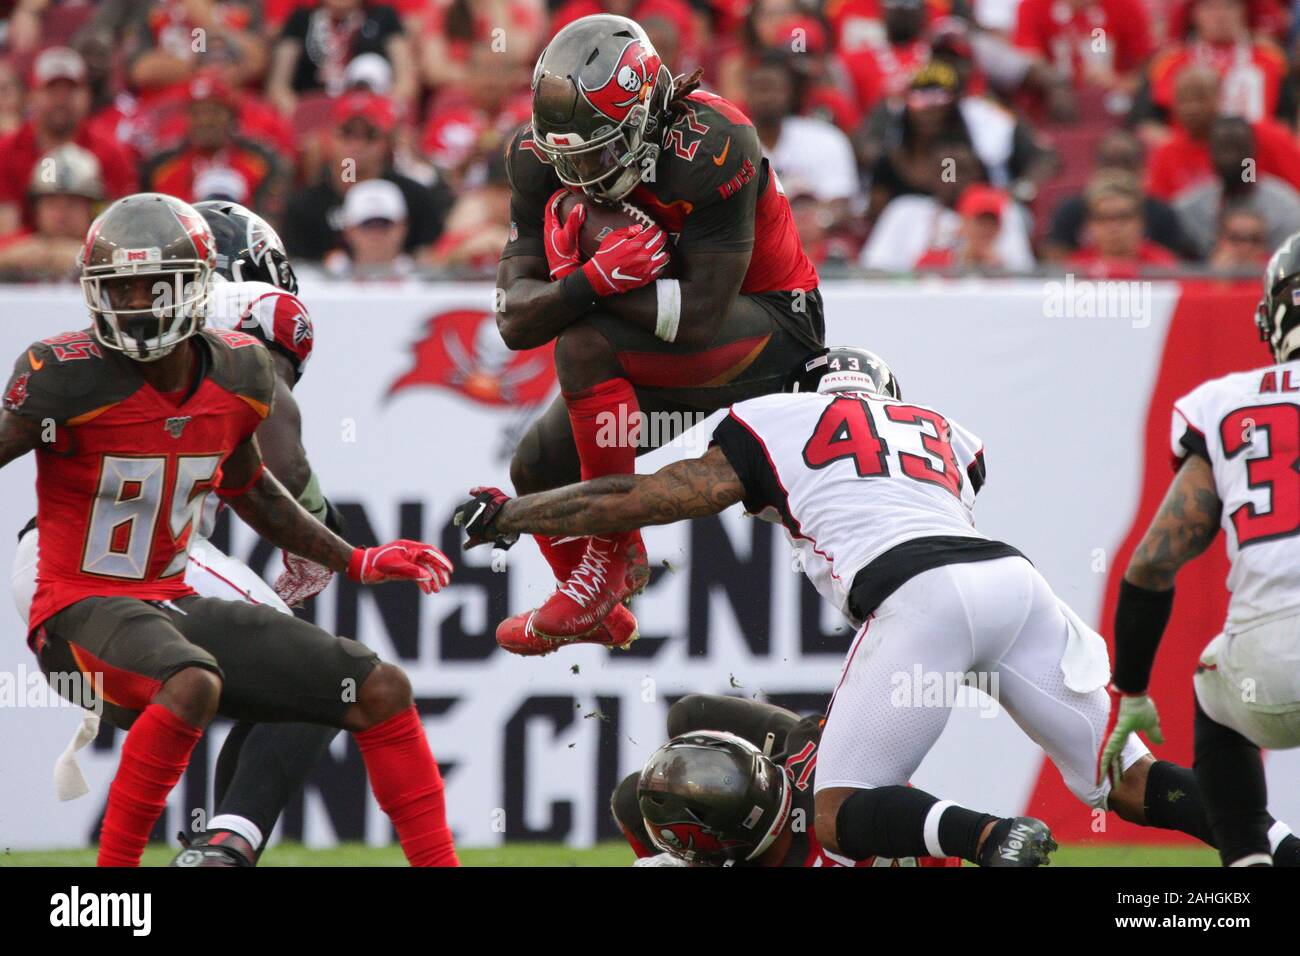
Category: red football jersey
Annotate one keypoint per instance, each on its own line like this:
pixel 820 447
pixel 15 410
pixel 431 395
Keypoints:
pixel 122 485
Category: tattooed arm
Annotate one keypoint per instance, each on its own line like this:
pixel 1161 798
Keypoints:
pixel 18 436
pixel 1187 522
pixel 272 512
pixel 686 489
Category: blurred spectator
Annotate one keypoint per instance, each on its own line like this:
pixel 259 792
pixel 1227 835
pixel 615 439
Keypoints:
pixel 477 226
pixel 886 69
pixel 1114 246
pixel 374 219
pixel 975 245
pixel 986 61
pixel 1120 151
pixel 1242 243
pixel 1250 71
pixel 316 45
pixel 213 152
pixel 811 156
pixel 912 226
pixel 174 38
pixel 65 186
pixel 11 99
pixel 471 124
pixel 1236 183
pixel 59 101
pixel 1183 160
pixel 900 142
pixel 22 32
pixel 453 27
pixel 1098 43
pixel 359 147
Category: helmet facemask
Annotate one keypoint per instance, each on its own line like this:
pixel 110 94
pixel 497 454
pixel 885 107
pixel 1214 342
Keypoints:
pixel 609 166
pixel 144 309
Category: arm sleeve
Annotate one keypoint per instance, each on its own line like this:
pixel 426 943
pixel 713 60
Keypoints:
pixel 531 184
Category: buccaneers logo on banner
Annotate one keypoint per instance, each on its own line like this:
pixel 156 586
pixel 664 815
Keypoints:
pixel 626 85
pixel 462 350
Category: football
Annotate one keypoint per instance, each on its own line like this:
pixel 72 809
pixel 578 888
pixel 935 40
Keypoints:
pixel 602 219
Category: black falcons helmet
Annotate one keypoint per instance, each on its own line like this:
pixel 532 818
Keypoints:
pixel 600 94
pixel 844 369
pixel 1278 314
pixel 713 798
pixel 155 236
pixel 248 249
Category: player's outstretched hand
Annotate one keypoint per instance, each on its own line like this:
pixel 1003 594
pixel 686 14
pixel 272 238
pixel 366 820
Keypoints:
pixel 627 259
pixel 562 237
pixel 478 518
pixel 1134 713
pixel 301 580
pixel 402 561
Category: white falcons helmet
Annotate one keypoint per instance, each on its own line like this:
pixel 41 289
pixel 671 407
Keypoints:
pixel 147 236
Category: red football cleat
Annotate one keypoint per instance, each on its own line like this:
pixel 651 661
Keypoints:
pixel 587 596
pixel 516 635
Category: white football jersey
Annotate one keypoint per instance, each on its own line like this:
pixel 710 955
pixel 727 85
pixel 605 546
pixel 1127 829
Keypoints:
pixel 1247 426
pixel 275 316
pixel 854 476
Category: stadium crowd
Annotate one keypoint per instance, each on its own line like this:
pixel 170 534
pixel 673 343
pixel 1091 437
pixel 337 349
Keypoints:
pixel 1112 138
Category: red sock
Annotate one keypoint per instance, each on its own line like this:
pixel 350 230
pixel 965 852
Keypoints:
pixel 561 554
pixel 154 755
pixel 406 782
pixel 603 418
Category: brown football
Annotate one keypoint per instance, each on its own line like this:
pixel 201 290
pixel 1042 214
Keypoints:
pixel 601 220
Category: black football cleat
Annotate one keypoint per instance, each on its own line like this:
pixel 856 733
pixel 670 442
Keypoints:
pixel 218 848
pixel 1018 841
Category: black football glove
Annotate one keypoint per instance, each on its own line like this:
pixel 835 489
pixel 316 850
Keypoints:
pixel 478 518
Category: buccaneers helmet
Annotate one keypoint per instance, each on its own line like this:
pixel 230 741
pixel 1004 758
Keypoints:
pixel 1278 314
pixel 713 798
pixel 146 274
pixel 600 96
pixel 844 369
pixel 248 249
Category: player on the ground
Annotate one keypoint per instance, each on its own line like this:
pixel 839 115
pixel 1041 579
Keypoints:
pixel 1236 445
pixel 134 421
pixel 877 495
pixel 609 120
pixel 733 786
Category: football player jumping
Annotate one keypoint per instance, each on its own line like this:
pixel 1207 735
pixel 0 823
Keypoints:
pixel 1236 441
pixel 609 120
pixel 734 786
pixel 876 495
pixel 134 421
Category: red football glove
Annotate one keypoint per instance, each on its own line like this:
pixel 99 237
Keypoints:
pixel 627 259
pixel 301 580
pixel 401 561
pixel 562 238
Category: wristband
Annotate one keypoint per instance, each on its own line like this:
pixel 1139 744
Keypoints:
pixel 577 291
pixel 669 294
pixel 1140 618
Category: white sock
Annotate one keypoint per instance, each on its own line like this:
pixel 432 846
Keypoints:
pixel 242 826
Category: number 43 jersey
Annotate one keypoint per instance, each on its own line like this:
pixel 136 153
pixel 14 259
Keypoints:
pixel 125 470
pixel 1247 426
pixel 872 491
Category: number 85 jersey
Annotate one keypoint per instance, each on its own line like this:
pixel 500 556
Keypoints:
pixel 871 490
pixel 1247 426
pixel 124 472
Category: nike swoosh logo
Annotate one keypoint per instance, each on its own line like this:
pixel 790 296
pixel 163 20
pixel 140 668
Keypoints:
pixel 619 274
pixel 36 365
pixel 722 156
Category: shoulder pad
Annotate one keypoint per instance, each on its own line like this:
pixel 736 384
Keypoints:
pixel 242 366
pixel 67 378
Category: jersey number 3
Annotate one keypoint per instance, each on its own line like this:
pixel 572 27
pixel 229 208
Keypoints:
pixel 1276 471
pixel 847 429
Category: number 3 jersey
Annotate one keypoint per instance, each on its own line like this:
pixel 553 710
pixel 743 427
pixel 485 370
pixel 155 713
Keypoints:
pixel 872 491
pixel 1247 426
pixel 125 470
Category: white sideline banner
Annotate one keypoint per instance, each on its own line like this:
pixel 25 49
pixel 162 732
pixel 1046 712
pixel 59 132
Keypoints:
pixel 411 398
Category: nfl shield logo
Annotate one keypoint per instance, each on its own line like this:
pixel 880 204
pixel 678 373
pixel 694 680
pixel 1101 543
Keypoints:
pixel 175 426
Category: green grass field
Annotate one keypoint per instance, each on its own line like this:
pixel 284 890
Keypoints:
pixel 606 854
